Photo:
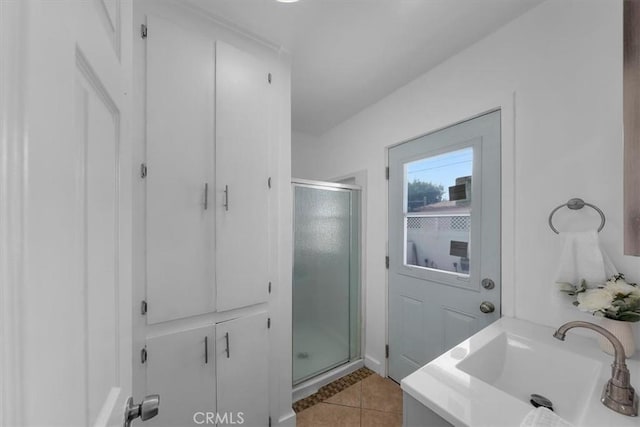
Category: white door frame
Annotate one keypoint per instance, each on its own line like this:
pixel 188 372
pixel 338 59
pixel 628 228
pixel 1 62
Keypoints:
pixel 13 139
pixel 506 102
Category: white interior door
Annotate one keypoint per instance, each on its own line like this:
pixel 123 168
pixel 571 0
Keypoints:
pixel 77 207
pixel 444 240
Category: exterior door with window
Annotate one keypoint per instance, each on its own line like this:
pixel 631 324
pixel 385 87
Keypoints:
pixel 444 240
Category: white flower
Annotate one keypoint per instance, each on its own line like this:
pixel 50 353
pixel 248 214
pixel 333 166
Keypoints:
pixel 594 300
pixel 620 286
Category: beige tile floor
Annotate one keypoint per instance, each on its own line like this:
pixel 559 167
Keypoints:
pixel 372 402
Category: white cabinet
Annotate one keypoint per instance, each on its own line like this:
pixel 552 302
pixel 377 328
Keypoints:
pixel 211 373
pixel 242 370
pixel 242 178
pixel 180 261
pixel 415 414
pixel 181 369
pixel 207 187
pixel 207 175
pixel 207 245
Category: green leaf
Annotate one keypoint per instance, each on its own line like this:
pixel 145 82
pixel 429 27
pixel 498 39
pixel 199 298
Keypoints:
pixel 628 316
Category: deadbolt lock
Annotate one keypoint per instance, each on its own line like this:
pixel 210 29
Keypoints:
pixel 488 284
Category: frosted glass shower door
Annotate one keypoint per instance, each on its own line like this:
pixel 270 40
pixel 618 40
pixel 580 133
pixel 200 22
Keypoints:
pixel 323 324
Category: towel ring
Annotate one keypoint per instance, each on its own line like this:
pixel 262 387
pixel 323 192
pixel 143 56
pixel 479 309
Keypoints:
pixel 576 204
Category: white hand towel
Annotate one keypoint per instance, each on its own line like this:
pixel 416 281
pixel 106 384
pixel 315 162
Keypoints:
pixel 543 417
pixel 582 258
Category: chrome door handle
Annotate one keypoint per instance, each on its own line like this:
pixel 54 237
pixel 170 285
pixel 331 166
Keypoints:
pixel 487 307
pixel 145 410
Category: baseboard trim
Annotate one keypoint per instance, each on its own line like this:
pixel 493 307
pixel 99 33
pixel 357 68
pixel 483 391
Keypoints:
pixel 288 420
pixel 375 365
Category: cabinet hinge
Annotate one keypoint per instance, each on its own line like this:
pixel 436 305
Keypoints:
pixel 269 78
pixel 143 355
pixel 269 287
pixel 269 323
pixel 386 172
pixel 386 351
pixel 143 307
pixel 386 262
pixel 143 170
pixel 143 31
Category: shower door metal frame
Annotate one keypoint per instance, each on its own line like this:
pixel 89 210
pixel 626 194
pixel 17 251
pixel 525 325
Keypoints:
pixel 324 184
pixel 334 186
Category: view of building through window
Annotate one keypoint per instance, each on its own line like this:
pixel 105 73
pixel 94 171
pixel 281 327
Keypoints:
pixel 438 211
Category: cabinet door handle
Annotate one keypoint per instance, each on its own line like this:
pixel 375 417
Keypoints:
pixel 206 195
pixel 226 197
pixel 206 349
pixel 226 338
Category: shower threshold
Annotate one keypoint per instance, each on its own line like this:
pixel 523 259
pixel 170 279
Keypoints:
pixel 312 385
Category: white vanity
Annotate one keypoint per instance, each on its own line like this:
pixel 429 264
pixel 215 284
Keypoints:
pixel 488 379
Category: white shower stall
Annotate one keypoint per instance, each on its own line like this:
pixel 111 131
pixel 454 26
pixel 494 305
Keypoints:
pixel 326 278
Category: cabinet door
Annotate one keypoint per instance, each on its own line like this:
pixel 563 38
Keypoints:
pixel 242 173
pixel 180 160
pixel 242 370
pixel 181 369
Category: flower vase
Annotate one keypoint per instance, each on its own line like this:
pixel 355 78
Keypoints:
pixel 623 331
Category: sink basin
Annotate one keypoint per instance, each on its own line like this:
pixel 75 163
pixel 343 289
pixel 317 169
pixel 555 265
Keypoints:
pixel 488 379
pixel 521 367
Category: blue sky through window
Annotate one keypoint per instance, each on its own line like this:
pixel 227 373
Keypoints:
pixel 442 169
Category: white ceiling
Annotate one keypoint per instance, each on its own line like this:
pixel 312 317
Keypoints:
pixel 348 54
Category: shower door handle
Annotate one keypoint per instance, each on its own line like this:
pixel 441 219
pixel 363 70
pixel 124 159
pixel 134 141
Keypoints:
pixel 226 338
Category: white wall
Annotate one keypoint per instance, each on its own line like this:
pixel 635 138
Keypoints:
pixel 557 72
pixel 303 146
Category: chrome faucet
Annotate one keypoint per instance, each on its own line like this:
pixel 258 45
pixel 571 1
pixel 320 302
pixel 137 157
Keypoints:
pixel 617 394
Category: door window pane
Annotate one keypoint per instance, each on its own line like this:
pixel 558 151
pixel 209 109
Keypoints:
pixel 438 211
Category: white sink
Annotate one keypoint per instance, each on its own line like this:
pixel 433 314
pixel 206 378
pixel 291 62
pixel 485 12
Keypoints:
pixel 488 379
pixel 521 367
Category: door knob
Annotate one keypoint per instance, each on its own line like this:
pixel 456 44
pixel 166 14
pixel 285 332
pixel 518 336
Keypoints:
pixel 487 307
pixel 146 410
